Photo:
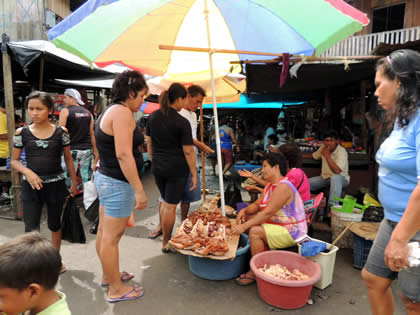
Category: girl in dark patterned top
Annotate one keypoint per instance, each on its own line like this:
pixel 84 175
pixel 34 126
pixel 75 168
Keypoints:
pixel 43 177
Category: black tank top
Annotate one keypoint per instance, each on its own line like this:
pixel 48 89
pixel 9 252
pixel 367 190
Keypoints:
pixel 78 125
pixel 43 156
pixel 108 162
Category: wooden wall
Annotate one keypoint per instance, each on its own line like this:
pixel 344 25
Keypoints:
pixel 412 11
pixel 59 7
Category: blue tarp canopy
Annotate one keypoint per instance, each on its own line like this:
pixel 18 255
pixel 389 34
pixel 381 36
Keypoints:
pixel 255 101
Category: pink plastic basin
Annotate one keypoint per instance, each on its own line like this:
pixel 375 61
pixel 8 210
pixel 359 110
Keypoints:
pixel 286 294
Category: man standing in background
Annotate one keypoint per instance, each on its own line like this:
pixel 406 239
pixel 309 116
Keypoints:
pixel 79 122
pixel 195 98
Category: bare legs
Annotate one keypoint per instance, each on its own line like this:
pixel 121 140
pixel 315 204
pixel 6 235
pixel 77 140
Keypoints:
pixel 110 231
pixel 185 207
pixel 56 239
pixel 258 239
pixel 167 221
pixel 380 296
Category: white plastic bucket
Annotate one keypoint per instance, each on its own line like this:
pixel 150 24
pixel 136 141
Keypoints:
pixel 327 262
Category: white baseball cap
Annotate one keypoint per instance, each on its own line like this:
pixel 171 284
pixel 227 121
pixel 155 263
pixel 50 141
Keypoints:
pixel 75 94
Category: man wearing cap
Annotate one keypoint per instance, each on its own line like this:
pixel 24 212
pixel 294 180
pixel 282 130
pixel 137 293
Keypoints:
pixel 79 122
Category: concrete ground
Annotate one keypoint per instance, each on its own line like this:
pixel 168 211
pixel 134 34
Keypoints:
pixel 170 287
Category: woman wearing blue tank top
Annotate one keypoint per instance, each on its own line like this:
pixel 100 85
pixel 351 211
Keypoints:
pixel 398 90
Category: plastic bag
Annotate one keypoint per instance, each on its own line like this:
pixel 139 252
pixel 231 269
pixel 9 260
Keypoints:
pixel 90 194
pixel 92 213
pixel 71 224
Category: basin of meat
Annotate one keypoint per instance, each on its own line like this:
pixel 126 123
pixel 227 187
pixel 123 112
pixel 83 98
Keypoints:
pixel 274 289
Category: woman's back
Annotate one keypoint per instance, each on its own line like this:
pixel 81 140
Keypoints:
pixel 299 179
pixel 169 133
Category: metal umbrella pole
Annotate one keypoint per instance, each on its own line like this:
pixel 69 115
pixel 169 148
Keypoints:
pixel 216 120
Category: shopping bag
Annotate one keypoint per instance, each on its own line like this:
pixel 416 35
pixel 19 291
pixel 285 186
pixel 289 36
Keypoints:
pixel 92 212
pixel 71 224
pixel 90 194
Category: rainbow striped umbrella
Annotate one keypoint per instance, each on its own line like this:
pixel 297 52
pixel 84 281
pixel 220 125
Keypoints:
pixel 130 31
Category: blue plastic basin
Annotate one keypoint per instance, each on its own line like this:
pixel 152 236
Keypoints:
pixel 211 269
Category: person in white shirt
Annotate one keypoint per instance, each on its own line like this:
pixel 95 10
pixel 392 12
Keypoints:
pixel 335 167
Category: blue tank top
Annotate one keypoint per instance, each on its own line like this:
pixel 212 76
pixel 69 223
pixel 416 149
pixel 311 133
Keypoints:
pixel 225 139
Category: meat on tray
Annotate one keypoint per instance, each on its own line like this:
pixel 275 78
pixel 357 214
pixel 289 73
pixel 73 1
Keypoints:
pixel 204 232
pixel 283 273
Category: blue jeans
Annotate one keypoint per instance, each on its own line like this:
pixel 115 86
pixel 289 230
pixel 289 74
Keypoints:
pixel 115 195
pixel 336 183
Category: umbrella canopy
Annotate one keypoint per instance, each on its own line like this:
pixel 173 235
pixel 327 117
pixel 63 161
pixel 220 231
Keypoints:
pixel 149 107
pixel 130 31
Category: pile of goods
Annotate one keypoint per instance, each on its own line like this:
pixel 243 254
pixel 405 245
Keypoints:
pixel 205 231
pixel 281 272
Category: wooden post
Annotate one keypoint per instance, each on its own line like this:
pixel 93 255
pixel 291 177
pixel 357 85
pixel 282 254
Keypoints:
pixel 10 116
pixel 202 153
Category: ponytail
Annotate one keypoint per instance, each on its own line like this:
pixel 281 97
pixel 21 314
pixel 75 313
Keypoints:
pixel 169 97
pixel 164 102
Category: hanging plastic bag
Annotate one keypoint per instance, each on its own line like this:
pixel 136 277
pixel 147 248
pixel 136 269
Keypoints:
pixel 90 194
pixel 71 224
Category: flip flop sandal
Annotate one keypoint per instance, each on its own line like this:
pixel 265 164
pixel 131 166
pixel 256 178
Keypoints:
pixel 126 296
pixel 154 234
pixel 124 277
pixel 244 277
pixel 168 249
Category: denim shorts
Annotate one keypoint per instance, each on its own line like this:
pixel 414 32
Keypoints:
pixel 408 278
pixel 115 195
pixel 192 195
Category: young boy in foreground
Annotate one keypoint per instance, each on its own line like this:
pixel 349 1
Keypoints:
pixel 29 270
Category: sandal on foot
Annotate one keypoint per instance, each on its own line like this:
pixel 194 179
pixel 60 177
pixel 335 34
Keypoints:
pixel 126 296
pixel 168 249
pixel 244 280
pixel 154 234
pixel 124 277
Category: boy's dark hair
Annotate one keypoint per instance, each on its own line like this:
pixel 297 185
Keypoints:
pixel 195 90
pixel 292 153
pixel 125 83
pixel 29 258
pixel 42 96
pixel 331 134
pixel 277 158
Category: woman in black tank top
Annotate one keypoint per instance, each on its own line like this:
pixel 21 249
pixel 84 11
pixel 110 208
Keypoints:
pixel 117 180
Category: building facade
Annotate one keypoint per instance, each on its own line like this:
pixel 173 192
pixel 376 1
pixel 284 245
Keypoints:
pixel 30 19
pixel 391 22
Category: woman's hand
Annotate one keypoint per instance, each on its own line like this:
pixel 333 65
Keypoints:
pixel 34 180
pixel 141 200
pixel 250 188
pixel 193 183
pixel 240 218
pixel 73 189
pixel 238 229
pixel 396 255
pixel 245 173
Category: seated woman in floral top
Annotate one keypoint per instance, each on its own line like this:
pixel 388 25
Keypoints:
pixel 277 218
